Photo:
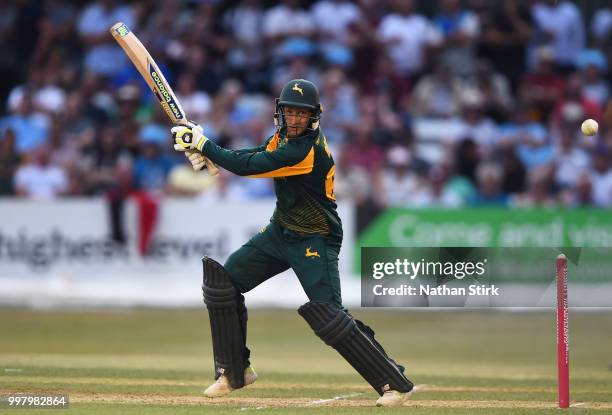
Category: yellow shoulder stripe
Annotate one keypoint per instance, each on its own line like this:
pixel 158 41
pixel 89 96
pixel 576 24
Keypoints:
pixel 303 167
pixel 273 144
pixel 329 183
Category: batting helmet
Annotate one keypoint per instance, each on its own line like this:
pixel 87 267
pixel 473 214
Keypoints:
pixel 299 93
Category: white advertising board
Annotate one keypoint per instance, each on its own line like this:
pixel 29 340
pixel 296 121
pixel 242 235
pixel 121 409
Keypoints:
pixel 61 253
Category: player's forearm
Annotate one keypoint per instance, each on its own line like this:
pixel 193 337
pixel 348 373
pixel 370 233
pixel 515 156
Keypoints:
pixel 240 162
pixel 251 150
pixel 279 163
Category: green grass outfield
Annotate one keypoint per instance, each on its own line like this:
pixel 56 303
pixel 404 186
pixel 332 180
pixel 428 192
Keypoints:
pixel 158 361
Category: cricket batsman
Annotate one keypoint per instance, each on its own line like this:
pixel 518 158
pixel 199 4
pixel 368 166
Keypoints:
pixel 304 234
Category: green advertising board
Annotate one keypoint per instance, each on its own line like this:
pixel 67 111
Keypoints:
pixel 488 227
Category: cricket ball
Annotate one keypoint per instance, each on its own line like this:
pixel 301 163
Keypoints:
pixel 589 127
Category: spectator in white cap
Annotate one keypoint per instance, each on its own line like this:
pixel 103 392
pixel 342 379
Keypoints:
pixel 398 182
pixel 39 179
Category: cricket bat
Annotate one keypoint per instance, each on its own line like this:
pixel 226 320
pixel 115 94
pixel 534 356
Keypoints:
pixel 149 70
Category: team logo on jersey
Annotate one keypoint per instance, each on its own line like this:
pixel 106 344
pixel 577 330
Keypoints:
pixel 296 87
pixel 311 254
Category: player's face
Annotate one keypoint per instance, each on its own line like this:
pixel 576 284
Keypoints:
pixel 297 120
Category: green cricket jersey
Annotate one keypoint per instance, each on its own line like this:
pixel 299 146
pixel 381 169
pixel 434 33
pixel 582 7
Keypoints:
pixel 303 170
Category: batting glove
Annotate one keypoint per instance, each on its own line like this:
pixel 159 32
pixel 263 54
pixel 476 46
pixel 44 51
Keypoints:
pixel 188 137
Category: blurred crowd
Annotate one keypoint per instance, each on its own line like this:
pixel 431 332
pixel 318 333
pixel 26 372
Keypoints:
pixel 441 103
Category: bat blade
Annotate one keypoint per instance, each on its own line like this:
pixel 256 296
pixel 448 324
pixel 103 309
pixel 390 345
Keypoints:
pixel 148 69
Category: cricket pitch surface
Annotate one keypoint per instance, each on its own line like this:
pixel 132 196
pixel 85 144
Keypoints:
pixel 159 361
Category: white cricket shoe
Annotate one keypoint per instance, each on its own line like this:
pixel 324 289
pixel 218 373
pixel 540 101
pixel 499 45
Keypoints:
pixel 222 386
pixel 393 398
